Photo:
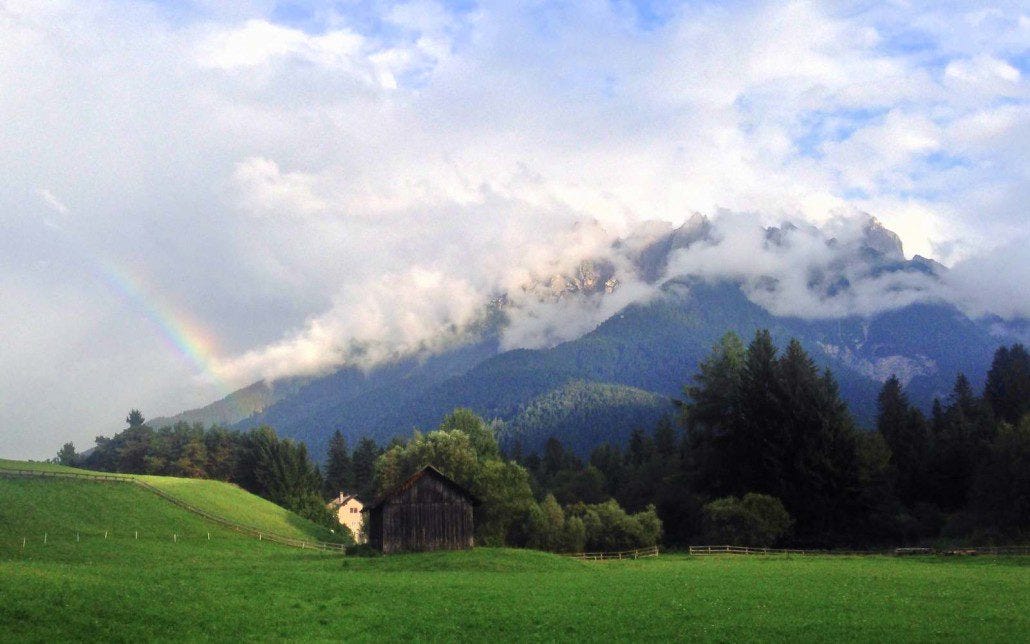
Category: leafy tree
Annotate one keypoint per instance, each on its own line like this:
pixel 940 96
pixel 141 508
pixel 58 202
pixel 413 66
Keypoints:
pixel 135 418
pixel 464 453
pixel 609 528
pixel 66 455
pixel 481 435
pixel 132 448
pixel 755 520
pixel 582 484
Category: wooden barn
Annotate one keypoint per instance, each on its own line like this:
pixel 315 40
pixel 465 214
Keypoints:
pixel 428 511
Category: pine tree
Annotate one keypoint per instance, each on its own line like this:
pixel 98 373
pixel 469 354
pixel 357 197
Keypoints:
pixel 904 429
pixel 339 469
pixel 364 464
pixel 758 443
pixel 135 418
pixel 712 417
pixel 962 434
pixel 1008 384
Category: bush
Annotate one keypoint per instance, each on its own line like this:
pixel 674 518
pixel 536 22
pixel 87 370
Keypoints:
pixel 755 520
pixel 607 527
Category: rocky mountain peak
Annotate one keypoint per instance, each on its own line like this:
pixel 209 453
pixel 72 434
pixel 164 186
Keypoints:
pixel 881 240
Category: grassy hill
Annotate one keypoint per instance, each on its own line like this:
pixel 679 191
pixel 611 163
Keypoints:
pixel 224 500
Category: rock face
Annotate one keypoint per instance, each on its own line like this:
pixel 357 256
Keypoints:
pixel 881 368
pixel 883 241
pixel 589 278
pixel 651 243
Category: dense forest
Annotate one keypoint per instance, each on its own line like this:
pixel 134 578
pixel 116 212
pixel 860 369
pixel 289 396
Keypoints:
pixel 762 451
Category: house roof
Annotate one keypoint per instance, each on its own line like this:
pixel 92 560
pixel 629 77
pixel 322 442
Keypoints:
pixel 428 470
pixel 342 500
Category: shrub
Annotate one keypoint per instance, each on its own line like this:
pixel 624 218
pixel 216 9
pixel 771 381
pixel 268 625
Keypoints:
pixel 607 527
pixel 755 520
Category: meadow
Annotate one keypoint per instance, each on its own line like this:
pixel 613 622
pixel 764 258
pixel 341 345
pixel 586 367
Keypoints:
pixel 186 578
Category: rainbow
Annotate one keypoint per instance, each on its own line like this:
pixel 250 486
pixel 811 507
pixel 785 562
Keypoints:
pixel 179 329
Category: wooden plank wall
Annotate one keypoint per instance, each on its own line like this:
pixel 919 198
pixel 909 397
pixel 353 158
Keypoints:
pixel 429 515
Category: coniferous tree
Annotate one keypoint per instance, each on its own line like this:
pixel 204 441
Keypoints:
pixel 819 467
pixel 364 463
pixel 904 429
pixel 1000 496
pixel 339 468
pixel 712 417
pixel 758 443
pixel 1008 384
pixel 962 433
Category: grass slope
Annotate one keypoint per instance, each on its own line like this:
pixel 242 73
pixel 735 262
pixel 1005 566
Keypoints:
pixel 232 587
pixel 217 497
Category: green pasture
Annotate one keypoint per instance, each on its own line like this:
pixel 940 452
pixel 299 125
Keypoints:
pixel 232 587
pixel 221 499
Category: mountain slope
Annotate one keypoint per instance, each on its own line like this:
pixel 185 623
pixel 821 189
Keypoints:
pixel 626 370
pixel 646 353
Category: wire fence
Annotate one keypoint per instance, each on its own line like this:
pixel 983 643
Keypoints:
pixel 261 535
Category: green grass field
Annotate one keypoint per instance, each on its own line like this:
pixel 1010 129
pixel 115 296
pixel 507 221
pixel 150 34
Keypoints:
pixel 222 499
pixel 234 587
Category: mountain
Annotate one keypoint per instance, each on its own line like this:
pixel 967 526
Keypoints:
pixel 238 405
pixel 628 370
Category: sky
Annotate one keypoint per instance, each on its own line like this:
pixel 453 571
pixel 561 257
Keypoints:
pixel 197 195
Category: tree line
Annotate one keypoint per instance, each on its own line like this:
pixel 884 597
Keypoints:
pixel 763 452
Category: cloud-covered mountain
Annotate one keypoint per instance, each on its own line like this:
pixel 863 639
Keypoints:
pixel 529 361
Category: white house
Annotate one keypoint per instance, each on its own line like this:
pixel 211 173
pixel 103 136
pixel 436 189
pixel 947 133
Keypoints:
pixel 348 512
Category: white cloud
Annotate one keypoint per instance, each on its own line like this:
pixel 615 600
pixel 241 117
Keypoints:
pixel 51 200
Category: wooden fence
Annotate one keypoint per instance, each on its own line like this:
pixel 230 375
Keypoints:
pixel 262 535
pixel 747 550
pixel 625 554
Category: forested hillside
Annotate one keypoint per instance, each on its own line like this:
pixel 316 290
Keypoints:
pixel 653 348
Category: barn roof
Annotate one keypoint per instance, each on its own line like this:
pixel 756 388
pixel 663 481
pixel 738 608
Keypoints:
pixel 428 470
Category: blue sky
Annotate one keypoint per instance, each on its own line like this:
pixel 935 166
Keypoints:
pixel 275 173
